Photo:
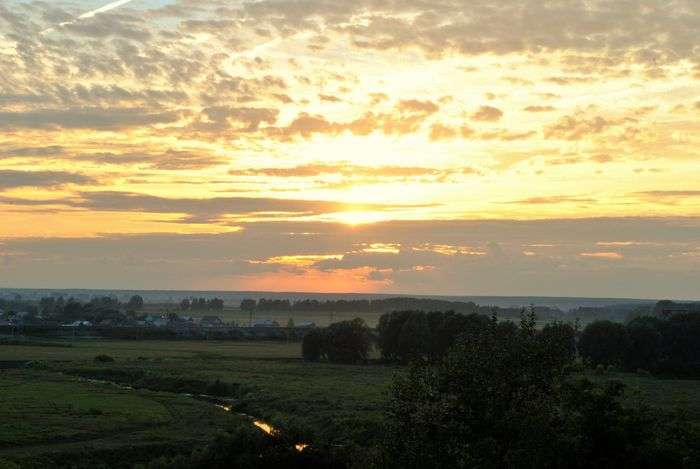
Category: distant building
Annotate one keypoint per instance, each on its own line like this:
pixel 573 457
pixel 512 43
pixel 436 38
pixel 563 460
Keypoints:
pixel 265 323
pixel 79 324
pixel 211 321
pixel 159 322
pixel 306 324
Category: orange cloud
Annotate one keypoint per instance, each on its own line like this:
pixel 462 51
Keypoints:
pixel 602 255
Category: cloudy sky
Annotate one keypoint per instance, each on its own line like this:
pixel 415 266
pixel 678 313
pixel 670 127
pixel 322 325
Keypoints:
pixel 444 146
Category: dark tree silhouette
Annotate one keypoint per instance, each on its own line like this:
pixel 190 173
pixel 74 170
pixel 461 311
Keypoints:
pixel 135 303
pixel 604 343
pixel 313 347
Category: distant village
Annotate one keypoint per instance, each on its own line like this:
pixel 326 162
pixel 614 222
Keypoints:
pixel 102 314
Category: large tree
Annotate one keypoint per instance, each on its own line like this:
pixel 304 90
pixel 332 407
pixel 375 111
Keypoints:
pixel 502 399
pixel 604 343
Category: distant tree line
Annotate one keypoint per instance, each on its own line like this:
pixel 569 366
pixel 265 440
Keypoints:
pixel 202 304
pixel 96 310
pixel 385 305
pixel 407 336
pixel 664 345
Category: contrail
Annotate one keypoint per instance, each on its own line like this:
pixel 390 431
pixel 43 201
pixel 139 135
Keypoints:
pixel 110 6
pixel 90 14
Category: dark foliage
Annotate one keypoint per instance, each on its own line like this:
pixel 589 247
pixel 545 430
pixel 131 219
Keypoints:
pixel 348 341
pixel 135 303
pixel 247 447
pixel 667 345
pixel 404 336
pixel 202 304
pixel 104 359
pixel 385 305
pixel 604 343
pixel 501 398
pixel 342 342
pixel 313 347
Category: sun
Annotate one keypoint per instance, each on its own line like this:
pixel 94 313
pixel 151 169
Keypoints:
pixel 354 218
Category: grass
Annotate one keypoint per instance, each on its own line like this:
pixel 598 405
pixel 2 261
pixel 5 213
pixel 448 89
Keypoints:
pixel 87 349
pixel 51 419
pixel 268 379
pixel 673 395
pixel 47 406
pixel 42 407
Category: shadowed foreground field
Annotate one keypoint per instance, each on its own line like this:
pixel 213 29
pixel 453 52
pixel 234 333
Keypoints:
pixel 50 408
pixel 334 404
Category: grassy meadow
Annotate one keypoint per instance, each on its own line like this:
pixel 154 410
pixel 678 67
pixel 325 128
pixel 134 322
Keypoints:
pixel 231 314
pixel 50 407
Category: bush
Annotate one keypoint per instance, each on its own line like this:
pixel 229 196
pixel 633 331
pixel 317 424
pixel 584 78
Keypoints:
pixel 341 342
pixel 348 341
pixel 104 359
pixel 313 347
pixel 604 342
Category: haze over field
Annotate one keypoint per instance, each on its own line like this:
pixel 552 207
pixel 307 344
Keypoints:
pixel 517 147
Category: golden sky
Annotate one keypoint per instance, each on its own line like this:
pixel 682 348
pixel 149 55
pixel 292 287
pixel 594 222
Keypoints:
pixel 367 145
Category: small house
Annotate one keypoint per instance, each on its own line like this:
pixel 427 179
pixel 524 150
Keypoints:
pixel 211 321
pixel 265 323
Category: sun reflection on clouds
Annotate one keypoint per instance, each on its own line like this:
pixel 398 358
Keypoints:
pixel 206 119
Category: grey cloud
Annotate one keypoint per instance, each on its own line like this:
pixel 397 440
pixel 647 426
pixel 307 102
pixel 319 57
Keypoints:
pixel 168 160
pixel 659 256
pixel 85 118
pixel 10 179
pixel 205 210
pixel 112 25
pixel 19 152
pixel 654 33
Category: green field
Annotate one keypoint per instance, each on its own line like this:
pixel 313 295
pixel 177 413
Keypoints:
pixel 327 403
pixel 232 314
pixel 50 407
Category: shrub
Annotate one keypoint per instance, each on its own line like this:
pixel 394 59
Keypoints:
pixel 104 359
pixel 348 341
pixel 313 347
pixel 604 342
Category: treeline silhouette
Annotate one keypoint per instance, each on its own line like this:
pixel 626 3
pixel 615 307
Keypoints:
pixel 667 346
pixel 406 336
pixel 97 309
pixel 385 305
pixel 202 304
pixel 510 396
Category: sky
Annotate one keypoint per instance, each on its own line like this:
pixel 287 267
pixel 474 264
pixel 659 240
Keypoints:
pixel 517 147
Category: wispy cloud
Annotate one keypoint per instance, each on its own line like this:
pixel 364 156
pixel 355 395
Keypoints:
pixel 92 13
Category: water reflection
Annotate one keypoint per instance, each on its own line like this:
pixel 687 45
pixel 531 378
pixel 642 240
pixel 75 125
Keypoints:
pixel 264 426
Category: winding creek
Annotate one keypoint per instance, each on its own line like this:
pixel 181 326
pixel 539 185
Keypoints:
pixel 224 404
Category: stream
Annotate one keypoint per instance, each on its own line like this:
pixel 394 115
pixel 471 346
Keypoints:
pixel 221 403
